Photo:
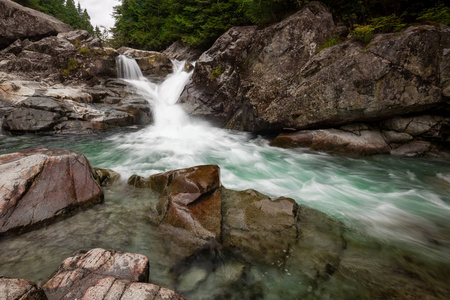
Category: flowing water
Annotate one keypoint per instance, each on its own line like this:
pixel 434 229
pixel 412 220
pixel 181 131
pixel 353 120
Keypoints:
pixel 402 203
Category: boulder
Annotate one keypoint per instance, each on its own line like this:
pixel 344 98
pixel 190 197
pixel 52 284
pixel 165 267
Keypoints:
pixel 151 63
pixel 189 211
pixel 40 185
pixel 266 80
pixel 179 51
pixel 366 142
pixel 18 22
pixel 12 289
pixel 88 273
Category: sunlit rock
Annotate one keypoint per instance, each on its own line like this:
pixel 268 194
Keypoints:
pixel 12 289
pixel 96 268
pixel 40 185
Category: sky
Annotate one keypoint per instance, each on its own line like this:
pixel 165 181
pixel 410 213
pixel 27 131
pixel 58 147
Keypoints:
pixel 99 11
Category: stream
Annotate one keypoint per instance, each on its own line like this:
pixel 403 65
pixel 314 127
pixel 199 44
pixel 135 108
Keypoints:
pixel 403 203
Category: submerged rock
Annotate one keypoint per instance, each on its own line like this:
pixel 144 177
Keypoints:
pixel 18 23
pixel 40 185
pixel 12 289
pixel 106 176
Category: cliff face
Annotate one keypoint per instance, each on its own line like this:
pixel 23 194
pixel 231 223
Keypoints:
pixel 274 78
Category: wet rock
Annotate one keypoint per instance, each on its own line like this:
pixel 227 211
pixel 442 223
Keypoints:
pixel 106 176
pixel 139 181
pixel 365 142
pixel 189 211
pixel 415 148
pixel 92 272
pixel 12 289
pixel 151 63
pixel 421 125
pixel 18 22
pixel 182 52
pixel 40 185
pixel 260 228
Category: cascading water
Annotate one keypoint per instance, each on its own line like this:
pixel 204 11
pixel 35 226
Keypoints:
pixel 403 203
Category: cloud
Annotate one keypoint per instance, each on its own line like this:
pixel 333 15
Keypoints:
pixel 99 11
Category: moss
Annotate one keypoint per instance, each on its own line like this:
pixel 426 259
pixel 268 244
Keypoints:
pixel 71 65
pixel 85 51
pixel 333 41
pixel 217 72
pixel 76 43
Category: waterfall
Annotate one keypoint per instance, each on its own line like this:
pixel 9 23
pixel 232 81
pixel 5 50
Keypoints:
pixel 162 97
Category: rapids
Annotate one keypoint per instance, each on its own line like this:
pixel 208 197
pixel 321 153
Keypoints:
pixel 401 202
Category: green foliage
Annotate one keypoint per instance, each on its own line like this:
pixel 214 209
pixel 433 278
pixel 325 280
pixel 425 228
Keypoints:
pixel 85 51
pixel 333 41
pixel 438 14
pixel 63 10
pixel 363 33
pixel 391 23
pixel 72 64
pixel 217 72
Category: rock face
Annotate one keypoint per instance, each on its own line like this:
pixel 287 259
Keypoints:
pixel 274 78
pixel 189 211
pixel 182 52
pixel 12 289
pixel 89 272
pixel 18 23
pixel 70 57
pixel 29 106
pixel 152 63
pixel 40 185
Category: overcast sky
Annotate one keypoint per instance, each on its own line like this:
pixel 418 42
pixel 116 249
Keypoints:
pixel 100 11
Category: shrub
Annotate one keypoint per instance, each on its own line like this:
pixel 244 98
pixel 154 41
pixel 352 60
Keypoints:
pixel 363 33
pixel 390 23
pixel 439 14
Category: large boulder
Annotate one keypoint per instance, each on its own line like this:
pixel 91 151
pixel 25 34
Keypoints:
pixel 40 185
pixel 84 270
pixel 13 289
pixel 189 212
pixel 274 78
pixel 18 22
